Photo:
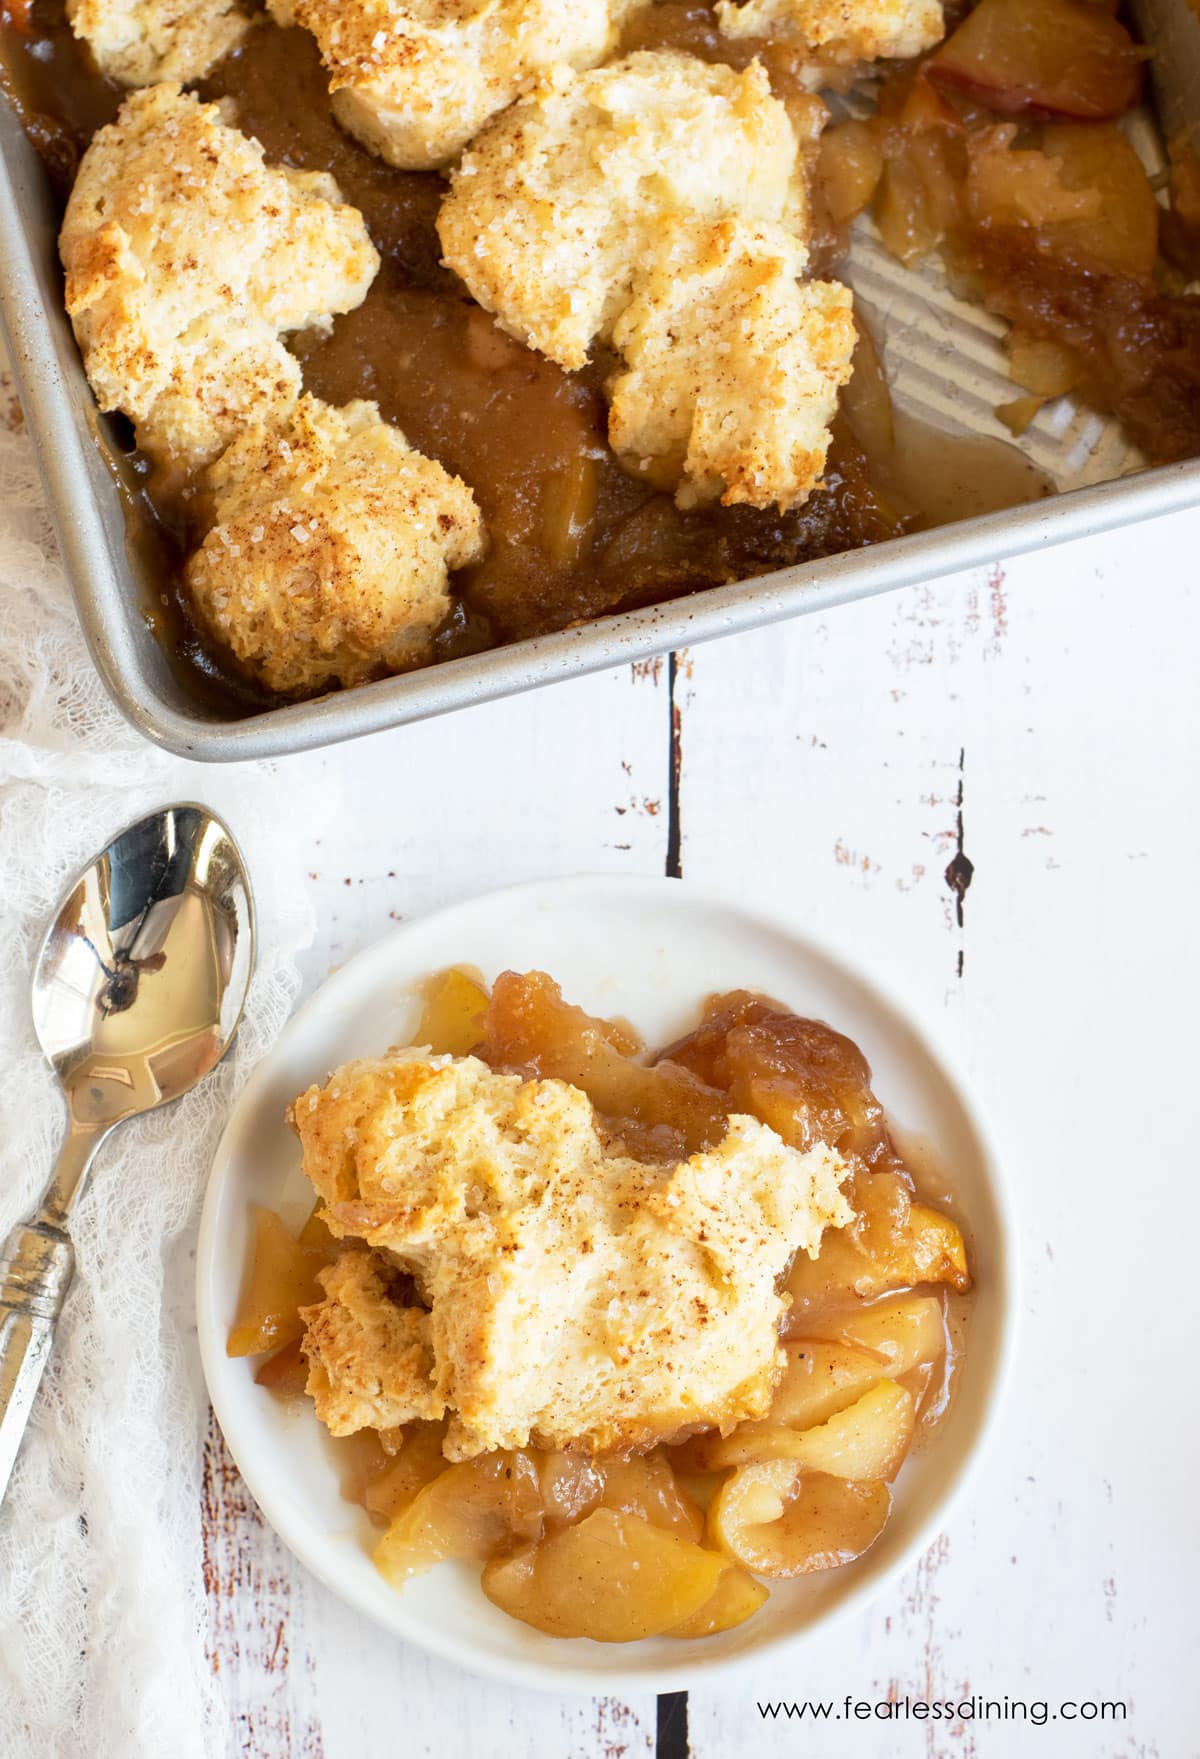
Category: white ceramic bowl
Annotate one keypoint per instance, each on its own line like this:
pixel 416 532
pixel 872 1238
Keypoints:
pixel 648 949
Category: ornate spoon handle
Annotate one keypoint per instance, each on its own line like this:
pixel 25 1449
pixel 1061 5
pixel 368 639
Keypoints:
pixel 36 1268
pixel 35 1272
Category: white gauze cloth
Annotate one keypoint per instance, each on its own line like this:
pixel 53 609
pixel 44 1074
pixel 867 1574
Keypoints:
pixel 102 1610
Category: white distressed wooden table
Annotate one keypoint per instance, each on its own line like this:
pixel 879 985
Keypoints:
pixel 1041 722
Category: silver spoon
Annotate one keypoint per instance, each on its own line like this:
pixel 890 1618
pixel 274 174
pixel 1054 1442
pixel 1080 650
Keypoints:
pixel 137 994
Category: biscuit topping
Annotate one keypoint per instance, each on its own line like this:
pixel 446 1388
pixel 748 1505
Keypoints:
pixel 330 548
pixel 558 207
pixel 415 79
pixel 370 1365
pixel 187 259
pixel 577 1296
pixel 660 204
pixel 732 368
pixel 839 30
pixel 140 41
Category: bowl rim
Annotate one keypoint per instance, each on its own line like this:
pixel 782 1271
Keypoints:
pixel 288 1523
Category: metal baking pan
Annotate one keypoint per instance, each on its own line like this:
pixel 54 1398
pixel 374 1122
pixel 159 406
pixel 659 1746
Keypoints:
pixel 943 358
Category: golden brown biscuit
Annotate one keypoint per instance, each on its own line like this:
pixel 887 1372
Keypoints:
pixel 187 257
pixel 839 30
pixel 578 1298
pixel 659 204
pixel 415 79
pixel 732 368
pixel 370 1363
pixel 560 204
pixel 138 42
pixel 329 550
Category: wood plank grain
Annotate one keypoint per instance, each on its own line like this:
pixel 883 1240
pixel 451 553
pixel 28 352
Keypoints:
pixel 567 780
pixel 255 1642
pixel 1022 720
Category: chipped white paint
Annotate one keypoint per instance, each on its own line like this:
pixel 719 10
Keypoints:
pixel 821 767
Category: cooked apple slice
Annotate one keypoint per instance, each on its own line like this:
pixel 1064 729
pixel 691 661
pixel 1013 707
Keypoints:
pixel 1009 185
pixel 646 1486
pixel 704 1050
pixel 315 1233
pixel 283 1278
pixel 571 1484
pixel 741 1447
pixel 1047 369
pixel 821 1378
pixel 927 1247
pixel 456 1005
pixel 867 1440
pixel 736 1597
pixel 416 1463
pixel 468 1511
pixel 849 168
pixel 285 1373
pixel 360 1458
pixel 808 1082
pixel 750 1503
pixel 919 201
pixel 923 108
pixel 1044 58
pixel 881 1203
pixel 1122 239
pixel 905 1330
pixel 780 1521
pixel 530 1026
pixel 931 1251
pixel 1086 196
pixel 613 1578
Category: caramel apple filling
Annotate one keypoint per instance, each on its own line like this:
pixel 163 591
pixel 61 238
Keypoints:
pixel 633 1334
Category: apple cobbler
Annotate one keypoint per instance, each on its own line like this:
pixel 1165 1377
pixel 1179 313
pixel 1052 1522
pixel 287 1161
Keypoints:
pixel 633 1334
pixel 552 287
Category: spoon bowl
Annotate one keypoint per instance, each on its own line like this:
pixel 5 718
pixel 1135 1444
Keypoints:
pixel 137 994
pixel 142 976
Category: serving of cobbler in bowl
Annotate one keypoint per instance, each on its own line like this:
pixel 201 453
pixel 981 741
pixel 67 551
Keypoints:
pixel 436 325
pixel 534 1340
